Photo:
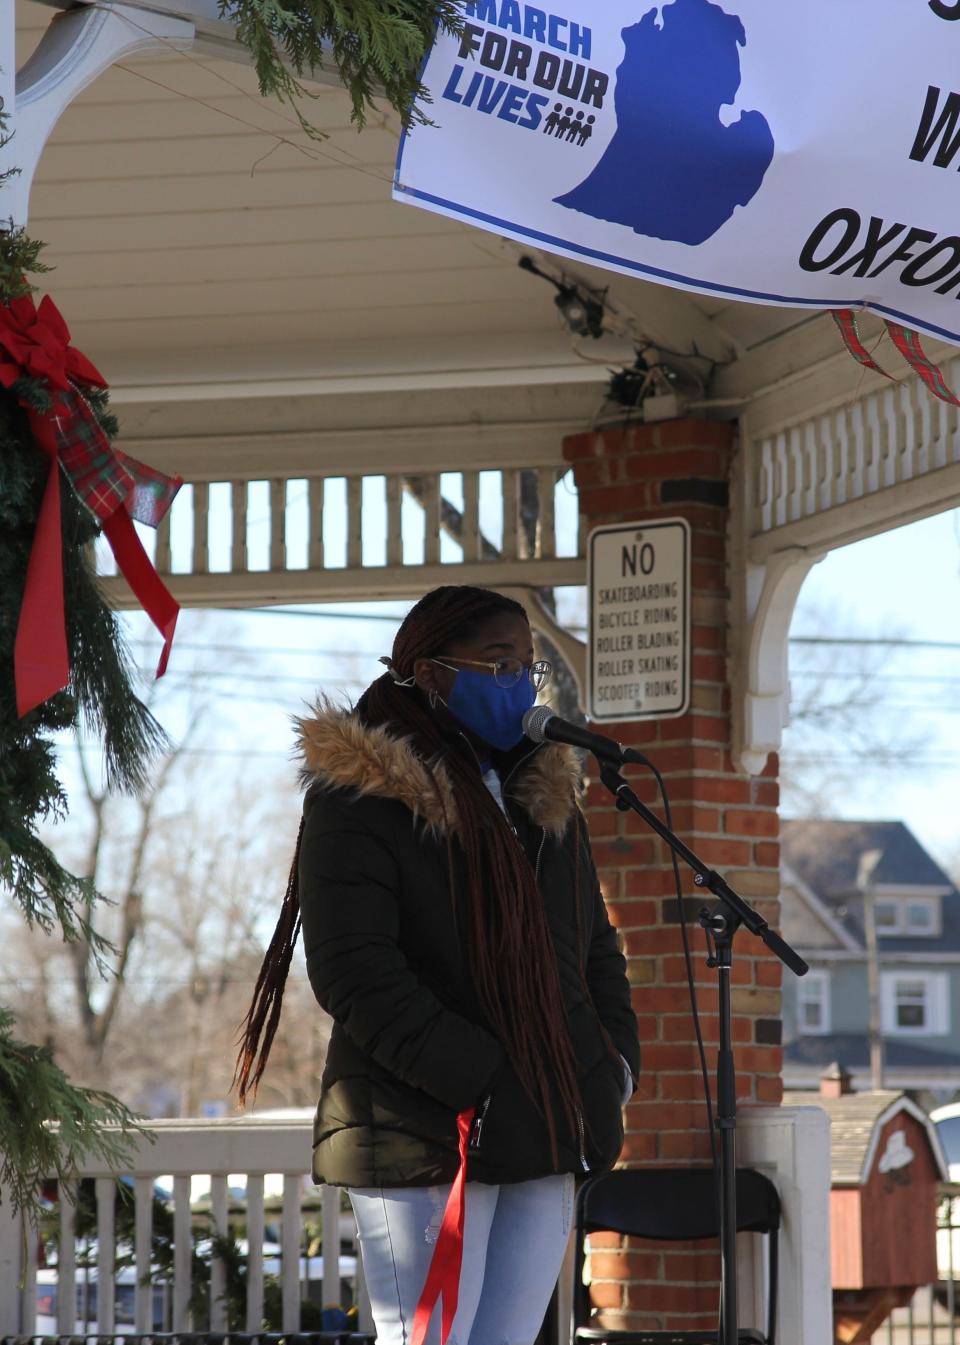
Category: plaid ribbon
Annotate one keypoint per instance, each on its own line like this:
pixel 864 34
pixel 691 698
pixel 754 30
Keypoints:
pixel 104 478
pixel 35 345
pixel 846 320
pixel 908 344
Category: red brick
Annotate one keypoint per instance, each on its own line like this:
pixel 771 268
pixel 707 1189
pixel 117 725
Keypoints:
pixel 758 1059
pixel 684 1144
pixel 767 854
pixel 769 971
pixel 672 1056
pixel 605 1239
pixel 680 1085
pixel 751 822
pixel 649 883
pixel 632 914
pixel 623 852
pixel 718 434
pixel 723 790
pixel 724 853
pixel 626 1265
pixel 639 1147
pixel 769 1088
pixel 606 1294
pixel 767 793
pixel 691 1267
pixel 709 668
pixel 661 1116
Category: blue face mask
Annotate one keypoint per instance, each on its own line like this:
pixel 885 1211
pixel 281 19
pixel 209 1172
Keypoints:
pixel 492 712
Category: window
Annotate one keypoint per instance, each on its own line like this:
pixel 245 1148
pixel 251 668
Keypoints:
pixel 813 1004
pixel 914 1003
pixel 886 915
pixel 910 917
pixel 919 917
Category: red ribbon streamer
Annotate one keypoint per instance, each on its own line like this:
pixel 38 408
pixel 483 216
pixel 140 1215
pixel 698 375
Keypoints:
pixel 41 662
pixel 34 343
pixel 908 344
pixel 443 1277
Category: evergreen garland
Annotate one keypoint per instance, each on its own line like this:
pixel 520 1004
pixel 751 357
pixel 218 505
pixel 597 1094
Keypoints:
pixel 47 1125
pixel 377 46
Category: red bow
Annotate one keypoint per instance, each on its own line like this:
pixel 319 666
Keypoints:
pixel 35 344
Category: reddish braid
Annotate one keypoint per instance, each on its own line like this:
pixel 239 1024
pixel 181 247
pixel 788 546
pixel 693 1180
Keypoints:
pixel 510 950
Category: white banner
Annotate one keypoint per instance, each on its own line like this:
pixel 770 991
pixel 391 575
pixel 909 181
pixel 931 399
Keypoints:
pixel 796 152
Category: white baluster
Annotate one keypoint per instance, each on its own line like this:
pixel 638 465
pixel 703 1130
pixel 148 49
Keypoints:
pixel 330 1215
pixel 67 1262
pixel 255 1252
pixel 354 522
pixel 238 527
pixel 29 1312
pixel 182 1253
pixel 278 526
pixel 162 561
pixel 472 549
pixel 106 1189
pixel 290 1246
pixel 394 521
pixel 142 1240
pixel 510 479
pixel 546 485
pixel 201 528
pixel 218 1271
pixel 431 533
pixel 315 558
pixel 11 1252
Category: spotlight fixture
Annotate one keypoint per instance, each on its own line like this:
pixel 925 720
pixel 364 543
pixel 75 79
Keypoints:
pixel 580 309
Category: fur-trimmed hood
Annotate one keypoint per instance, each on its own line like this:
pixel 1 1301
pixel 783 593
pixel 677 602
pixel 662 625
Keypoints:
pixel 339 752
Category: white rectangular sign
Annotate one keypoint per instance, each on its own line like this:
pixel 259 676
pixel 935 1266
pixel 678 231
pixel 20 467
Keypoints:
pixel 639 643
pixel 796 152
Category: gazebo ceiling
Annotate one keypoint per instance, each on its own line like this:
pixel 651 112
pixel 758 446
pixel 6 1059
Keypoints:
pixel 204 248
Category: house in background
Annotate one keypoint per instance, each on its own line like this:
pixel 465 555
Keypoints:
pixel 917 912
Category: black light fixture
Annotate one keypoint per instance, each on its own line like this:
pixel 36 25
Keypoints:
pixel 582 310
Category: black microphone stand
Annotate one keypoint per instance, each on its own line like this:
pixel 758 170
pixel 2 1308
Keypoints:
pixel 720 924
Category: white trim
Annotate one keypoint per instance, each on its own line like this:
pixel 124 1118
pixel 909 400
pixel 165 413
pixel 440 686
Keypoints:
pixel 911 1108
pixel 790 878
pixel 815 976
pixel 936 1003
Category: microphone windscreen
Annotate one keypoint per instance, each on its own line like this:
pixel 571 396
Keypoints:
pixel 535 722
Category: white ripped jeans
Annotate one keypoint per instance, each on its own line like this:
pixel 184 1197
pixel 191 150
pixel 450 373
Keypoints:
pixel 514 1241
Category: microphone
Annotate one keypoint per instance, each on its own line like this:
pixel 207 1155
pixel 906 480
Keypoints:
pixel 541 724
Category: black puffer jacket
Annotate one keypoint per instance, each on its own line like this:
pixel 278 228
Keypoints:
pixel 409 1049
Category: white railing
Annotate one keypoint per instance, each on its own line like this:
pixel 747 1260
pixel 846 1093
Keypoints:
pixel 367 533
pixel 268 1153
pixel 882 459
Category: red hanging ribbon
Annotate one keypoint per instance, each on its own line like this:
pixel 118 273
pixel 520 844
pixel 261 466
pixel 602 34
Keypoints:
pixel 443 1277
pixel 908 344
pixel 34 344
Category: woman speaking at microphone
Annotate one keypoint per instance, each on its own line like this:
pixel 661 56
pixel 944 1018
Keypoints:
pixel 483 1039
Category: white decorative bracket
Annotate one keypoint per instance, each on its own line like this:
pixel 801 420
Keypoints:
pixel 542 620
pixel 760 677
pixel 78 45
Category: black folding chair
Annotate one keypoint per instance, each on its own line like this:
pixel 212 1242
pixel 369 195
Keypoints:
pixel 671 1204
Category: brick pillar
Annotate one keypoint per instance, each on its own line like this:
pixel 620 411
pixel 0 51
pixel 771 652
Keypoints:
pixel 681 468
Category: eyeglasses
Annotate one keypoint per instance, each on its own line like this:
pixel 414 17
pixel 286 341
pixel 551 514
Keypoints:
pixel 507 672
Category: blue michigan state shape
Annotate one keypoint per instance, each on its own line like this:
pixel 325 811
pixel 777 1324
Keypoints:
pixel 673 170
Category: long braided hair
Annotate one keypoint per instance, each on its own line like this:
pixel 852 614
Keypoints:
pixel 510 951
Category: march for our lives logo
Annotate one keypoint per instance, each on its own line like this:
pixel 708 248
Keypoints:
pixel 673 170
